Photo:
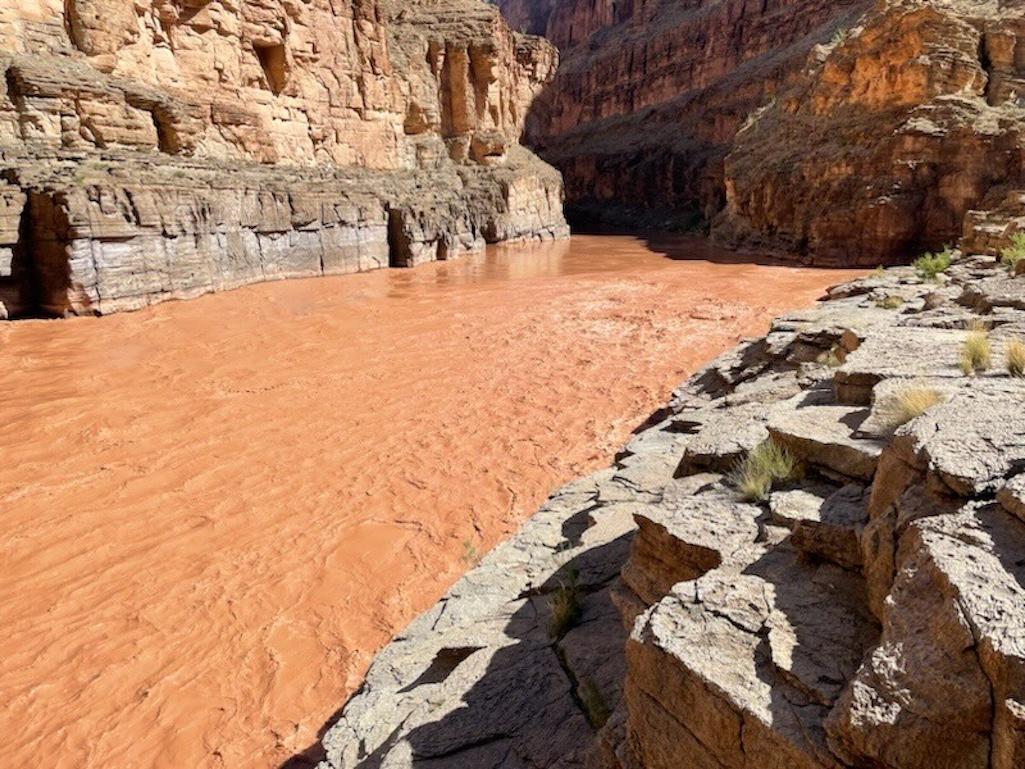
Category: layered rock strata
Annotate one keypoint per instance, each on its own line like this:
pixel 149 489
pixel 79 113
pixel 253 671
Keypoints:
pixel 852 132
pixel 869 610
pixel 164 149
pixel 649 97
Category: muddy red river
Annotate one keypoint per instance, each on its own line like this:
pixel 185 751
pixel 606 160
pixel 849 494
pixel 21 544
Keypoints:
pixel 214 512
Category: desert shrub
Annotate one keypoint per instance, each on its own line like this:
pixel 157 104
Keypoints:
pixel 1015 252
pixel 890 302
pixel 1016 357
pixel 930 264
pixel 911 402
pixel 564 607
pixel 975 352
pixel 764 466
pixel 595 706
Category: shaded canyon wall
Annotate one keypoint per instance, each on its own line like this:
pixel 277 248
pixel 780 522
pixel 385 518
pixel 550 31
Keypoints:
pixel 162 149
pixel 852 132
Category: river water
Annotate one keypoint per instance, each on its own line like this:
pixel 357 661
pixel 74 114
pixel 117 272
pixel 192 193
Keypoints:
pixel 214 512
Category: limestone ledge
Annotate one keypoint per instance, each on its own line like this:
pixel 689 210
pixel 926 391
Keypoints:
pixel 869 611
pixel 103 234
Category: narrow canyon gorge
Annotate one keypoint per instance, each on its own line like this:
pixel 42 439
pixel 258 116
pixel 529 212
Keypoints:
pixel 305 518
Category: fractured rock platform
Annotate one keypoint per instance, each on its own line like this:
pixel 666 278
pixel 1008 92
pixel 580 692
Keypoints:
pixel 868 612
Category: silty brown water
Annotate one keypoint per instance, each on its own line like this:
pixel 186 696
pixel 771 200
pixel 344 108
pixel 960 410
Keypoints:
pixel 215 511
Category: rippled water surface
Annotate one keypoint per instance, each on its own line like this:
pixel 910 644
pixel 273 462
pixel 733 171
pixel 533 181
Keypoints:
pixel 214 512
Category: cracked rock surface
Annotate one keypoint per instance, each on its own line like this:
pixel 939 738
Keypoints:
pixel 868 611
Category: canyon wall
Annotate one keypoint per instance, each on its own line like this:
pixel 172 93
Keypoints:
pixel 852 132
pixel 165 148
pixel 860 603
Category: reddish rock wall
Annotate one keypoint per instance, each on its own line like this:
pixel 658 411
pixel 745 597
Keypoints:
pixel 894 134
pixel 218 107
pixel 855 132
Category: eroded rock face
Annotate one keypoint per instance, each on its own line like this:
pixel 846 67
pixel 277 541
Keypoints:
pixel 161 149
pixel 868 612
pixel 650 95
pixel 851 132
pixel 897 131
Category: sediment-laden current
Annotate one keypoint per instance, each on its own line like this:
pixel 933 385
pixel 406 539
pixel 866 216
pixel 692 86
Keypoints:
pixel 214 512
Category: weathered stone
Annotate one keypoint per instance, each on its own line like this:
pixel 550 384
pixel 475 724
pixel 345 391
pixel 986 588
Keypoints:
pixel 1012 496
pixel 724 437
pixel 969 443
pixel 943 686
pixel 237 143
pixel 826 523
pixel 822 434
pixel 913 353
pixel 736 666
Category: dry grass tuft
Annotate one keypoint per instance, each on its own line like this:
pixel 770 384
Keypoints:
pixel 975 352
pixel 911 402
pixel 593 701
pixel 1016 357
pixel 890 302
pixel 564 606
pixel 763 467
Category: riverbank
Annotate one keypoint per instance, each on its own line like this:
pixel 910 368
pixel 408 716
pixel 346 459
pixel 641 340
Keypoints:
pixel 216 511
pixel 816 559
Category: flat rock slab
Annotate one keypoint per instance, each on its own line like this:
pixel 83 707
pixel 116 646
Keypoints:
pixel 724 437
pixel 825 523
pixel 687 535
pixel 973 440
pixel 822 434
pixel 909 353
pixel 733 665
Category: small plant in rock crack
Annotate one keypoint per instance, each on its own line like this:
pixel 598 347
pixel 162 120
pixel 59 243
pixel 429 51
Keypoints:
pixel 975 352
pixel 470 556
pixel 929 265
pixel 832 358
pixel 911 402
pixel 1014 254
pixel 890 302
pixel 1016 357
pixel 765 466
pixel 564 607
pixel 593 701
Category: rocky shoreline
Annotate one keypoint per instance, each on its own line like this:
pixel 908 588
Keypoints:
pixel 864 608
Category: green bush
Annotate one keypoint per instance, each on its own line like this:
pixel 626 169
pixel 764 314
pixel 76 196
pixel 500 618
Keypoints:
pixel 930 264
pixel 1015 252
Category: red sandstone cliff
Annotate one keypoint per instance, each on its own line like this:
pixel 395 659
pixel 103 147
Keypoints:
pixel 854 131
pixel 164 148
pixel 894 134
pixel 649 96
